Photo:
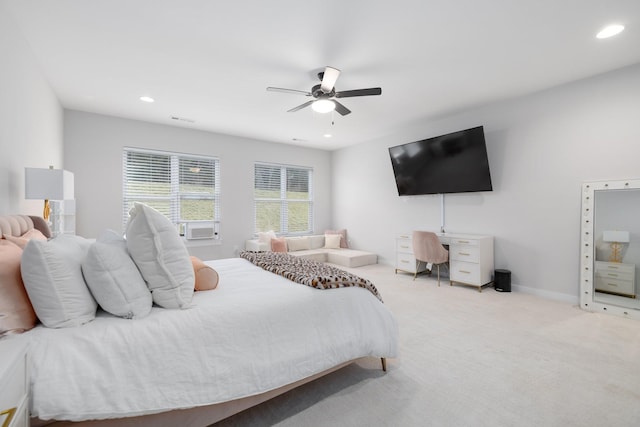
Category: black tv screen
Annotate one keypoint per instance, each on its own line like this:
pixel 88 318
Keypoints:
pixel 453 163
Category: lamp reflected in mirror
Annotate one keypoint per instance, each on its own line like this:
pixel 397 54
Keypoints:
pixel 615 239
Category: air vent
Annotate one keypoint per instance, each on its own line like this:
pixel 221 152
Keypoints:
pixel 182 119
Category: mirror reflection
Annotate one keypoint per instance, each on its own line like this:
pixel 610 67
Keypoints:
pixel 616 242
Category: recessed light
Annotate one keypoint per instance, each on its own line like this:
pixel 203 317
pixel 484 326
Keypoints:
pixel 147 99
pixel 327 135
pixel 610 31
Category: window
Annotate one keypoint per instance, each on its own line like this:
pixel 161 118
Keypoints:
pixel 184 187
pixel 283 199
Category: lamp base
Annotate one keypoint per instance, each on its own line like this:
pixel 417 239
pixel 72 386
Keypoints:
pixel 46 211
pixel 616 253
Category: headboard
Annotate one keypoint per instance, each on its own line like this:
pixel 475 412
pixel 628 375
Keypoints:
pixel 17 225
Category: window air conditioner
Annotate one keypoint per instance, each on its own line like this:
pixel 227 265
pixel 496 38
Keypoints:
pixel 201 230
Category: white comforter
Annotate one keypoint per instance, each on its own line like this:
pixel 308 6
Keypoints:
pixel 255 332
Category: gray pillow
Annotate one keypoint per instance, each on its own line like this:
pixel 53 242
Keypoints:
pixel 114 279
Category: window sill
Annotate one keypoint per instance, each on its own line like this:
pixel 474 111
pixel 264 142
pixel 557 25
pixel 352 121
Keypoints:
pixel 194 243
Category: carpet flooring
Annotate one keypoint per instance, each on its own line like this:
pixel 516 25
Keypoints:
pixel 475 359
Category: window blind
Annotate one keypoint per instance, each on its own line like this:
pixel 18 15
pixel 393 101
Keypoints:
pixel 283 199
pixel 183 187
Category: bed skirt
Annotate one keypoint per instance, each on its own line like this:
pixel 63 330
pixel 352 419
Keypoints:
pixel 201 416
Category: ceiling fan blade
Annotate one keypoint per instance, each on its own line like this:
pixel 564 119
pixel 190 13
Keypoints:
pixel 329 79
pixel 341 108
pixel 280 89
pixel 359 92
pixel 300 107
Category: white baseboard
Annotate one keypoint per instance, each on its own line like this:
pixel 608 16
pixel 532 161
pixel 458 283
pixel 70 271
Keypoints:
pixel 556 296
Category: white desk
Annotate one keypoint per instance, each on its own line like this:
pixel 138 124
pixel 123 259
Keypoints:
pixel 470 258
pixel 405 260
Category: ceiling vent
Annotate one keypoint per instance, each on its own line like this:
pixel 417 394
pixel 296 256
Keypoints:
pixel 182 119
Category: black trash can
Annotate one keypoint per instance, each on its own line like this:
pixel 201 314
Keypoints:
pixel 502 280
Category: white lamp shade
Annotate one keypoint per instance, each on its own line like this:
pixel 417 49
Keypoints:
pixel 49 184
pixel 323 105
pixel 615 236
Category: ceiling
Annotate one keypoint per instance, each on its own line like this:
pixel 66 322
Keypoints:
pixel 207 63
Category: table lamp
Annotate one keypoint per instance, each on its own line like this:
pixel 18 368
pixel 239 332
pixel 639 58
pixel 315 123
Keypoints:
pixel 615 238
pixel 48 184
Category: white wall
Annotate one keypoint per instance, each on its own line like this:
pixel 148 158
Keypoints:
pixel 93 151
pixel 541 148
pixel 30 119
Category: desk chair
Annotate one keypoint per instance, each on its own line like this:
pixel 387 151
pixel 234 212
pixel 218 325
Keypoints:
pixel 428 249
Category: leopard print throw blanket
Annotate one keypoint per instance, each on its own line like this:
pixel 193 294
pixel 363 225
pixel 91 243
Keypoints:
pixel 307 272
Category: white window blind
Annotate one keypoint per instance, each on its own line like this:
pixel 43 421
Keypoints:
pixel 283 199
pixel 183 187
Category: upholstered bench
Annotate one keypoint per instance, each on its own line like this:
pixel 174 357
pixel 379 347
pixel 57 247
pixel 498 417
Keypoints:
pixel 350 257
pixel 313 247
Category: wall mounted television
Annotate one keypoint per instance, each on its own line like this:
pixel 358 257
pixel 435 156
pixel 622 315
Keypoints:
pixel 453 163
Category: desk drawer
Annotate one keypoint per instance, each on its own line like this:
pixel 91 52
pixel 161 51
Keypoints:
pixel 404 246
pixel 406 262
pixel 465 272
pixel 614 275
pixel 616 286
pixel 615 267
pixel 463 242
pixel 464 253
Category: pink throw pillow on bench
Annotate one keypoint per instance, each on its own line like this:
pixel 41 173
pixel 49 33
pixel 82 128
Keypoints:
pixel 279 244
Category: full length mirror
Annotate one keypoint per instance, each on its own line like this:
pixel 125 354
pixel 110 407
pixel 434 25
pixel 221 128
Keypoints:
pixel 610 247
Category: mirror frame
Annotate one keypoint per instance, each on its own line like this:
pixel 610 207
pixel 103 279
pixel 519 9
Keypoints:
pixel 587 247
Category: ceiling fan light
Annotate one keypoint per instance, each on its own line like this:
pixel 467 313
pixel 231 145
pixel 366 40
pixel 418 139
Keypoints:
pixel 323 105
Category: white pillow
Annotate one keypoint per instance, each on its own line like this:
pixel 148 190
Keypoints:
pixel 52 276
pixel 298 243
pixel 332 241
pixel 316 241
pixel 161 256
pixel 266 236
pixel 114 279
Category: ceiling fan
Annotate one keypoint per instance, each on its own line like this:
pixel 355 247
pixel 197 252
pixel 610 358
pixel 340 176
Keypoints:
pixel 325 93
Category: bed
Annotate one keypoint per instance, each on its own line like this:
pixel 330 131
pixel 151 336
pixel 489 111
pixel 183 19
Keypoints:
pixel 255 336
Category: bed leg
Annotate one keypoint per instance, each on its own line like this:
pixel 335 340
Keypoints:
pixel 384 364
